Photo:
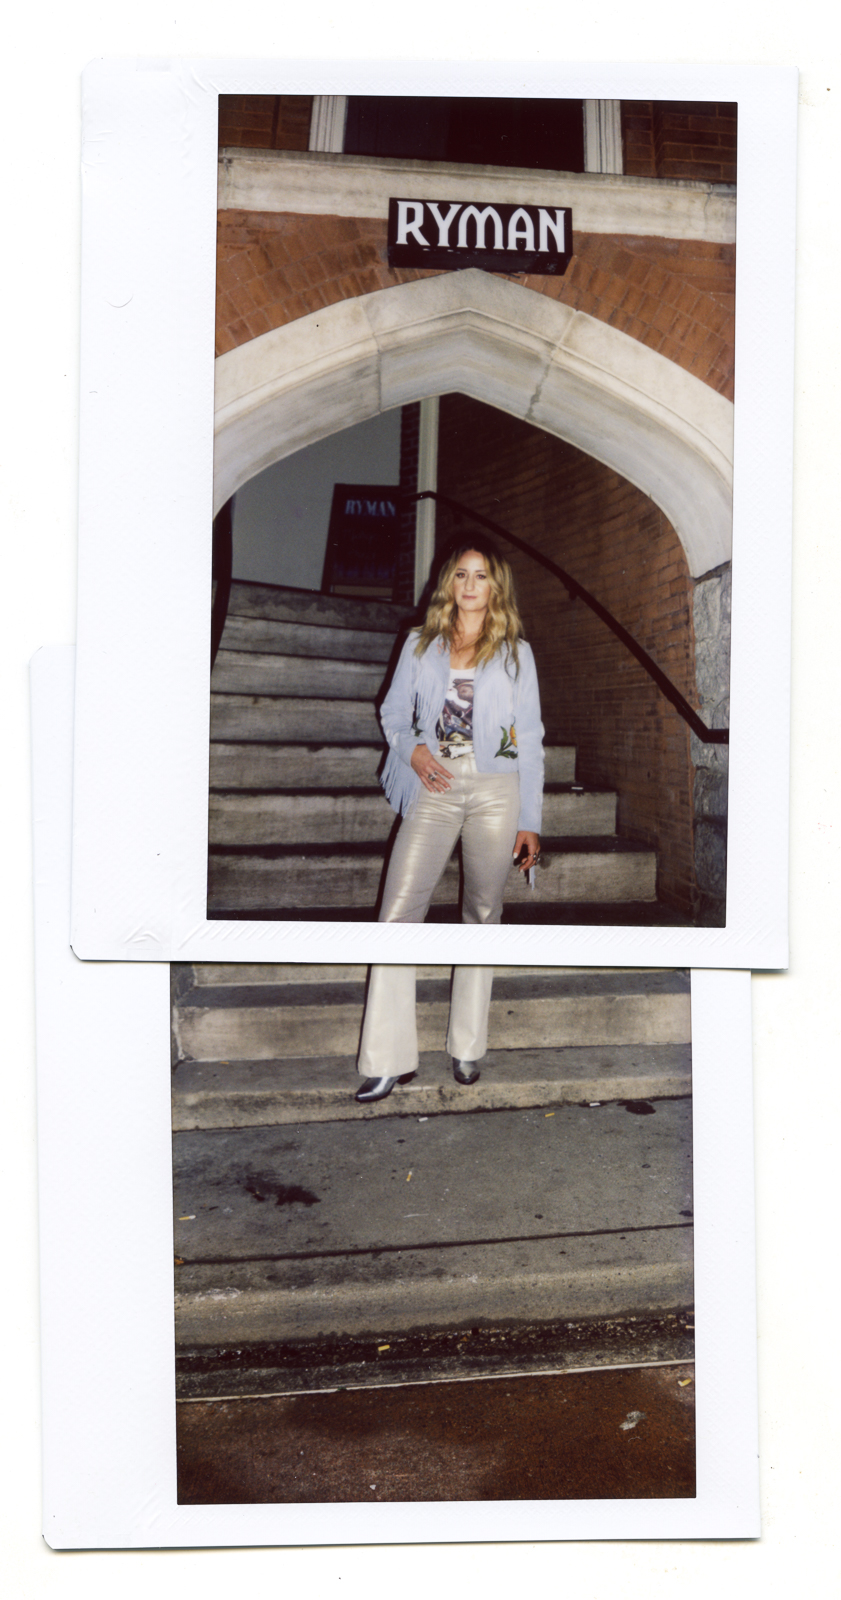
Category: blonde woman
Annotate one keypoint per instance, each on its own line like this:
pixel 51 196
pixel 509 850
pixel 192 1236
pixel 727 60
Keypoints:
pixel 462 720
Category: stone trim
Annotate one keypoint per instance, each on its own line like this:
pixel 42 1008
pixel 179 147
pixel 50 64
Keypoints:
pixel 315 183
pixel 603 136
pixel 666 432
pixel 327 128
pixel 711 627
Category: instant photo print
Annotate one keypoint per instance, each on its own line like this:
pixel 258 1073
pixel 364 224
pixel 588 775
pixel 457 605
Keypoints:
pixel 336 317
pixel 270 1317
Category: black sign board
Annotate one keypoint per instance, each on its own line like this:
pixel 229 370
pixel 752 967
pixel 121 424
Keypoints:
pixel 471 233
pixel 362 540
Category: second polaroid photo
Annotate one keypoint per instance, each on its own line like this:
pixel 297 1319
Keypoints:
pixel 468 1277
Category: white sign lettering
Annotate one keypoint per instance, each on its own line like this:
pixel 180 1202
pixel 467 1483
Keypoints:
pixel 520 227
pixel 480 218
pixel 502 237
pixel 444 222
pixel 405 226
pixel 557 227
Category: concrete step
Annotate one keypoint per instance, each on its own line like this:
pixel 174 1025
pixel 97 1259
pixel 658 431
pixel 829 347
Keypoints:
pixel 314 817
pixel 246 1094
pixel 335 1229
pixel 313 721
pixel 262 634
pixel 244 672
pixel 597 871
pixel 295 766
pixel 311 1021
pixel 325 766
pixel 317 610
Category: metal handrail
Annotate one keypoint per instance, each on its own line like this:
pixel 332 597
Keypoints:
pixel 577 591
pixel 222 563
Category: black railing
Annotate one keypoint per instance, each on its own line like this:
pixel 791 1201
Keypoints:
pixel 578 592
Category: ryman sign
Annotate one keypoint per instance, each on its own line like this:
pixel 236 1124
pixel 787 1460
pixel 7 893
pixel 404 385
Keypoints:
pixel 463 233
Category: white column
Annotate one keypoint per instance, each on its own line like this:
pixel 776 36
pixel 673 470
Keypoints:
pixel 427 479
pixel 602 136
pixel 327 127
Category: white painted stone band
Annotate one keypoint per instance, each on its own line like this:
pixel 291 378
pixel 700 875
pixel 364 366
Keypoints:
pixel 317 183
pixel 327 125
pixel 472 333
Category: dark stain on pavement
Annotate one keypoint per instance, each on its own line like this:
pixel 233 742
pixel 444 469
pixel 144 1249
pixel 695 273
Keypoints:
pixel 283 1194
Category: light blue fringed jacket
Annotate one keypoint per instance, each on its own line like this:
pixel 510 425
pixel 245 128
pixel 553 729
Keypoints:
pixel 507 730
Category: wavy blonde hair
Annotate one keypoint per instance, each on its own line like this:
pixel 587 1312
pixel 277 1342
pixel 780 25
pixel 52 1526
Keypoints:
pixel 502 627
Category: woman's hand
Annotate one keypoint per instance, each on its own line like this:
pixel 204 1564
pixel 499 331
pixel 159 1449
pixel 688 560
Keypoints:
pixel 531 843
pixel 432 775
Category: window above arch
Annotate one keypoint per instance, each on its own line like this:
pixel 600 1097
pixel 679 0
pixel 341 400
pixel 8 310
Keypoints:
pixel 540 134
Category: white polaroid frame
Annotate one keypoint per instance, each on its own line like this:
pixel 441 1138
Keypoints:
pixel 106 1243
pixel 147 407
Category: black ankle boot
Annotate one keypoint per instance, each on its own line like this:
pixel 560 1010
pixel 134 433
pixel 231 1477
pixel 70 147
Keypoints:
pixel 379 1088
pixel 465 1071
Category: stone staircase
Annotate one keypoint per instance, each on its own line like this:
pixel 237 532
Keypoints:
pixel 273 1044
pixel 299 826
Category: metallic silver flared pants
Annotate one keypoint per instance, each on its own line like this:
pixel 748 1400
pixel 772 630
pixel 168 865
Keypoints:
pixel 389 1045
pixel 483 808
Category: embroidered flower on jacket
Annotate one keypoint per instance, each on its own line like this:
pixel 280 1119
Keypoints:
pixel 508 745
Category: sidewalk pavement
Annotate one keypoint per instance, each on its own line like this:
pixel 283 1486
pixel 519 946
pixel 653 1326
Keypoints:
pixel 404 1225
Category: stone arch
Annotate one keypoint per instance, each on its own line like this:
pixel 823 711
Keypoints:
pixel 562 370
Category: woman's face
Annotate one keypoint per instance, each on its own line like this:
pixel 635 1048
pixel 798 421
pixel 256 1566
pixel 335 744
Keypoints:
pixel 471 585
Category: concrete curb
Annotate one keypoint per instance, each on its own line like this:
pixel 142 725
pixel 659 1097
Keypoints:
pixel 215 1094
pixel 216 1306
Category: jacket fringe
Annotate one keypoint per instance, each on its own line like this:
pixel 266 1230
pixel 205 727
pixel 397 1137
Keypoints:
pixel 401 783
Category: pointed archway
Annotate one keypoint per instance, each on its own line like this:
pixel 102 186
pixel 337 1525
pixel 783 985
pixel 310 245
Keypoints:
pixel 568 373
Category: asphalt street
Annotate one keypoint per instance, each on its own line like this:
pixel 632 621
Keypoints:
pixel 613 1434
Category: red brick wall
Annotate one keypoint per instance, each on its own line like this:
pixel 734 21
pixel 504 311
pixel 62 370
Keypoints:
pixel 679 139
pixel 675 296
pixel 660 138
pixel 637 122
pixel 619 545
pixel 265 121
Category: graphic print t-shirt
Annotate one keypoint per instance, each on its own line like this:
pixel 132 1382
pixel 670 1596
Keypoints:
pixel 455 725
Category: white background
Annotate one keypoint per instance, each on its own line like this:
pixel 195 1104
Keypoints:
pixel 796 1034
